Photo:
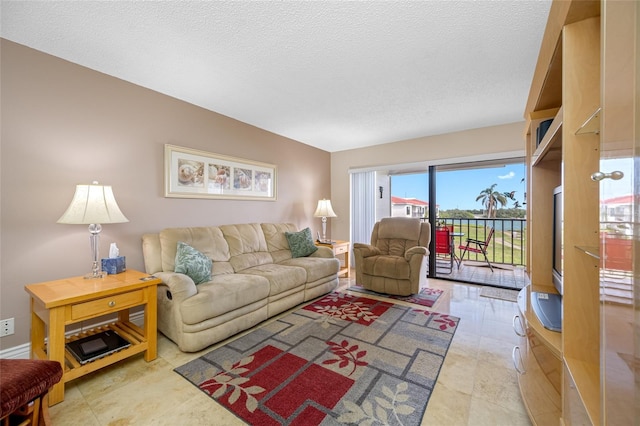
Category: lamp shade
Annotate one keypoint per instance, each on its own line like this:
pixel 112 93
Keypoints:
pixel 93 204
pixel 324 209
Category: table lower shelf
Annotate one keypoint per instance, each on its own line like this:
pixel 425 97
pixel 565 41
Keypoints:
pixel 129 331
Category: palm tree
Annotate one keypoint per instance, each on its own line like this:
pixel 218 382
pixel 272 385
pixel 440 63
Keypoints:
pixel 512 196
pixel 489 198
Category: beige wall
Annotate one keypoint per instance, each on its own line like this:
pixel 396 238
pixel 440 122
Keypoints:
pixel 485 143
pixel 63 124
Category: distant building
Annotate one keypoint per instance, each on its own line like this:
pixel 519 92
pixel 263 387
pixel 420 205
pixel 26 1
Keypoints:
pixel 617 209
pixel 409 207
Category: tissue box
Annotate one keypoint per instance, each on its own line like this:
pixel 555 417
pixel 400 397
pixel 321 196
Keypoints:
pixel 114 265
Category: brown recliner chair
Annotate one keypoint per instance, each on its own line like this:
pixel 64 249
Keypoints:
pixel 396 260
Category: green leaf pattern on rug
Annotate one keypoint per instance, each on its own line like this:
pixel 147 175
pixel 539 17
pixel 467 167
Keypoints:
pixel 230 377
pixel 346 355
pixel 365 414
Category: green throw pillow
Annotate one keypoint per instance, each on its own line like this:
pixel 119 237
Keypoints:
pixel 191 262
pixel 301 243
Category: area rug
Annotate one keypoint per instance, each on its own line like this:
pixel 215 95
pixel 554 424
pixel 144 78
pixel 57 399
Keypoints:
pixel 341 359
pixel 499 293
pixel 427 296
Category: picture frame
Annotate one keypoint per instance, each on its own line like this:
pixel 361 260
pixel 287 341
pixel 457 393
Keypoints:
pixel 191 173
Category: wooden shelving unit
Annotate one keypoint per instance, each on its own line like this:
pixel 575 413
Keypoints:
pixel 565 88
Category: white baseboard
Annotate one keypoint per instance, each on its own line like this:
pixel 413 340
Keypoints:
pixel 24 351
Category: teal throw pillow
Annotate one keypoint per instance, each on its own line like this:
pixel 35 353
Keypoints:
pixel 191 262
pixel 301 243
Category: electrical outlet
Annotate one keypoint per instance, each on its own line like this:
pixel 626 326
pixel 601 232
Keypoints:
pixel 6 327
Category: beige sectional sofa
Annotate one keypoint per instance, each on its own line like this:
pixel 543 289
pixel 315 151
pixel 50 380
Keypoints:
pixel 253 277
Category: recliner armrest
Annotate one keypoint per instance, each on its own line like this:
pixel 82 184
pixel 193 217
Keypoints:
pixel 181 286
pixel 366 250
pixel 416 250
pixel 324 252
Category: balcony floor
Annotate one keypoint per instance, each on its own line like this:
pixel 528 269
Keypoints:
pixel 504 276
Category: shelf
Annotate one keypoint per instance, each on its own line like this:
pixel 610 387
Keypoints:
pixel 592 125
pixel 127 330
pixel 591 251
pixel 551 339
pixel 550 147
pixel 586 377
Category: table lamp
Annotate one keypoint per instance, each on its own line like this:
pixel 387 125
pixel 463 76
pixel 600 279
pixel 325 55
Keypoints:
pixel 93 205
pixel 324 210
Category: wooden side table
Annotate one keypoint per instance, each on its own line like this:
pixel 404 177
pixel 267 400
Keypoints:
pixel 59 303
pixel 340 248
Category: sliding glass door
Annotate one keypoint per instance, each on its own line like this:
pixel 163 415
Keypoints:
pixel 478 212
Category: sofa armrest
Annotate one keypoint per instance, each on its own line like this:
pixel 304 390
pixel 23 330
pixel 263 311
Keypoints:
pixel 366 250
pixel 323 252
pixel 423 251
pixel 181 286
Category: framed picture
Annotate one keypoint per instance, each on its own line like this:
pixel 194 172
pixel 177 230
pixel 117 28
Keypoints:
pixel 190 173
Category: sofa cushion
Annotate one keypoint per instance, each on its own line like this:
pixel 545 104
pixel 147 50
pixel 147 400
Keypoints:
pixel 276 241
pixel 316 267
pixel 247 246
pixel 301 243
pixel 281 277
pixel 191 262
pixel 224 293
pixel 207 240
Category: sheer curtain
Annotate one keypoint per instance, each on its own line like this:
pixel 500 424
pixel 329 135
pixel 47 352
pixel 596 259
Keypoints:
pixel 363 206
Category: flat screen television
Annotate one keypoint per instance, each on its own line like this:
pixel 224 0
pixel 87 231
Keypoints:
pixel 557 239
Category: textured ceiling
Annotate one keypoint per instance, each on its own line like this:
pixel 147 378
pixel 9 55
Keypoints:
pixel 335 75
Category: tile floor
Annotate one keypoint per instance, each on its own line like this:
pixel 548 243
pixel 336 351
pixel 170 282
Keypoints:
pixel 476 386
pixel 505 276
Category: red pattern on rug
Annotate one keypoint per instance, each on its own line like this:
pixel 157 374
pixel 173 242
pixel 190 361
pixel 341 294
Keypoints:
pixel 342 358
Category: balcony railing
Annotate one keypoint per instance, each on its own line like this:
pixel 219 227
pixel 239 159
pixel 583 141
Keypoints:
pixel 507 246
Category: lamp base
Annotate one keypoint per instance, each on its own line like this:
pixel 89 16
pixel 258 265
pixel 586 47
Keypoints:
pixel 92 275
pixel 95 269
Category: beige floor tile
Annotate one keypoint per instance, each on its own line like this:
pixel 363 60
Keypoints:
pixel 447 407
pixel 198 410
pixel 497 351
pixel 169 351
pixel 498 385
pixel 74 410
pixel 150 396
pixel 117 375
pixel 458 372
pixel 465 343
pixel 486 413
pixel 501 330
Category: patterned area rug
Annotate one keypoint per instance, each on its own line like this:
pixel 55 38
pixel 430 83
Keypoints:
pixel 427 296
pixel 340 359
pixel 499 293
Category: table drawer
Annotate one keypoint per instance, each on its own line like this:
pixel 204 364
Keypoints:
pixel 340 249
pixel 107 305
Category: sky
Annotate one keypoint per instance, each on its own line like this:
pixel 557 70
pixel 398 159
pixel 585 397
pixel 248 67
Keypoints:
pixel 459 189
